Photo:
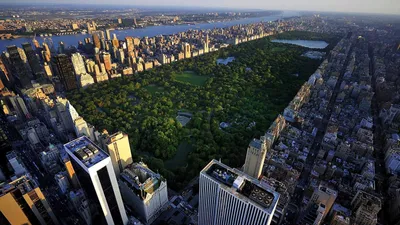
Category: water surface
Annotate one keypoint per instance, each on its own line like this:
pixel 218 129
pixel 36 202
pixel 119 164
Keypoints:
pixel 147 31
pixel 304 43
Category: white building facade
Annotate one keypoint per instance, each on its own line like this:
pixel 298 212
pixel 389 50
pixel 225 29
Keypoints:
pixel 96 175
pixel 229 196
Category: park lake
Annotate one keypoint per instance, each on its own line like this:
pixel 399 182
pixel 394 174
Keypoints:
pixel 304 43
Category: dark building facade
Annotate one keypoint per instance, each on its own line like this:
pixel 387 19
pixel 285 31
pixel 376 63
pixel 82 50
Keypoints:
pixel 18 68
pixel 33 60
pixel 66 72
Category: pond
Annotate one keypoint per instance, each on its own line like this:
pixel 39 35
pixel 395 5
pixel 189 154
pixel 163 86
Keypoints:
pixel 225 61
pixel 304 43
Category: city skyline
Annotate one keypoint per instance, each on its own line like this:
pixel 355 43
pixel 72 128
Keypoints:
pixel 358 6
pixel 251 117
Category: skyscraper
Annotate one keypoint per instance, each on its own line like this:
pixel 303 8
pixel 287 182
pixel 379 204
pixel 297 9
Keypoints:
pixel 121 55
pixel 229 196
pixel 33 60
pixel 22 202
pixel 96 176
pixel 186 50
pixel 19 106
pixel 108 36
pixel 255 157
pixel 129 44
pixel 115 41
pixel 105 58
pixel 96 40
pixel 71 173
pixel 144 191
pixel 365 208
pixel 18 67
pixel 81 127
pixel 66 72
pixel 78 63
pixel 119 150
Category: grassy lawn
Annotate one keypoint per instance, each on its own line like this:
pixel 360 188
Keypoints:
pixel 153 88
pixel 180 158
pixel 191 78
pixel 278 49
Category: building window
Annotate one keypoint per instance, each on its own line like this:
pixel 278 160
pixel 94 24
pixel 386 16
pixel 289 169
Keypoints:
pixel 110 195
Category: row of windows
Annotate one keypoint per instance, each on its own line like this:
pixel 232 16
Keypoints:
pixel 220 207
pixel 110 195
pixel 207 200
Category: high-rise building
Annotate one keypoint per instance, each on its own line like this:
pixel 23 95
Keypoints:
pixel 47 70
pixel 105 58
pixel 47 51
pixel 78 63
pixel 186 50
pixel 22 202
pixel 229 196
pixel 66 72
pixel 62 182
pixel 255 157
pixel 71 173
pixel 19 107
pixel 16 164
pixel 81 205
pixel 81 127
pixel 365 208
pixel 129 44
pixel 18 68
pixel 119 151
pixel 99 76
pixel 121 56
pixel 324 195
pixel 144 191
pixel 284 198
pixel 85 80
pixel 61 47
pixel 96 40
pixel 96 176
pixel 108 36
pixel 313 214
pixel 115 41
pixel 33 60
pixel 206 43
pixel 4 71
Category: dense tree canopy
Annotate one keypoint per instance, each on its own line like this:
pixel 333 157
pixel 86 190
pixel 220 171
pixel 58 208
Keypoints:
pixel 255 87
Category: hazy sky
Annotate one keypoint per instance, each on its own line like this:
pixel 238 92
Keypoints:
pixel 374 6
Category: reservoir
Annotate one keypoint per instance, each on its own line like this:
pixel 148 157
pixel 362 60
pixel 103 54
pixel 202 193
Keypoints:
pixel 304 43
pixel 72 40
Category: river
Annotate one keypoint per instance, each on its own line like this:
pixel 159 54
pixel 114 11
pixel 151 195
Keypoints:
pixel 148 31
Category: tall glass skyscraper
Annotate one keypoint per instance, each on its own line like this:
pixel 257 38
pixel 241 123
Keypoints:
pixel 96 176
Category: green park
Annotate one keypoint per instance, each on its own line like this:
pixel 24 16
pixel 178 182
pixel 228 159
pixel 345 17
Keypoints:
pixel 252 89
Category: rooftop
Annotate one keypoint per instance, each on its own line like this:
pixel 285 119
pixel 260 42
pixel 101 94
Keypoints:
pixel 256 143
pixel 242 184
pixel 23 183
pixel 138 176
pixel 86 151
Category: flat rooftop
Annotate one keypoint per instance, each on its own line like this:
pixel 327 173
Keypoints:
pixel 243 184
pixel 138 176
pixel 256 143
pixel 86 151
pixel 23 183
